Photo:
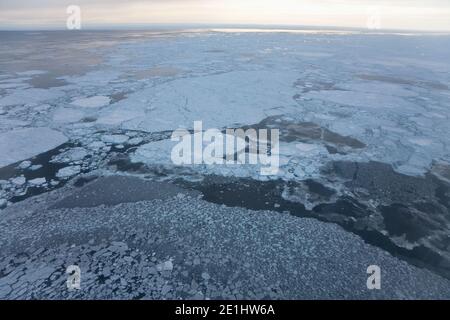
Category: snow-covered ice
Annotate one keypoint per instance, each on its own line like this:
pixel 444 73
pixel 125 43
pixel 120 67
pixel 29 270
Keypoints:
pixel 68 115
pixel 364 121
pixel 115 138
pixel 92 102
pixel 21 144
pixel 217 99
pixel 393 99
pixel 37 181
pixel 68 172
pixel 29 96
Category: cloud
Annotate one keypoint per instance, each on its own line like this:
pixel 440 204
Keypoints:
pixel 402 14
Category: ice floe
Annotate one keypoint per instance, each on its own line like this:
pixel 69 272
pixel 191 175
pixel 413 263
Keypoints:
pixel 68 172
pixel 31 72
pixel 37 181
pixel 31 95
pixel 394 101
pixel 218 100
pixel 92 102
pixel 67 115
pixel 115 138
pixel 71 155
pixel 21 144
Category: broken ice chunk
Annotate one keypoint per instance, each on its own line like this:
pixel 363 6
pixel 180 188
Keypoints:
pixel 19 181
pixel 68 172
pixel 24 164
pixel 92 102
pixel 115 139
pixel 71 155
pixel 37 181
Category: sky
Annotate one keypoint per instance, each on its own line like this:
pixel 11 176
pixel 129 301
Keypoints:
pixel 428 15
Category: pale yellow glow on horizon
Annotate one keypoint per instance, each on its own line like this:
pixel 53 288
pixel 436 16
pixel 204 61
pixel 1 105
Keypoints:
pixel 340 13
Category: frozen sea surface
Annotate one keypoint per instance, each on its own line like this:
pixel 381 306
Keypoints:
pixel 389 91
pixel 364 121
pixel 145 248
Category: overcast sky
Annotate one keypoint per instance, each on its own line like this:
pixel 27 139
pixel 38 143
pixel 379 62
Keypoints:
pixel 395 14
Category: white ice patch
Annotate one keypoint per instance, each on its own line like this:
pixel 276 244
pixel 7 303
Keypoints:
pixel 365 100
pixel 37 181
pixel 92 102
pixel 94 78
pixel 13 85
pixel 7 124
pixel 154 153
pixel 31 73
pixel 15 80
pixel 115 138
pixel 71 155
pixel 297 161
pixel 66 115
pixel 68 172
pixel 30 96
pixel 217 100
pixel 318 55
pixel 236 78
pixel 379 88
pixel 21 144
pixel 160 152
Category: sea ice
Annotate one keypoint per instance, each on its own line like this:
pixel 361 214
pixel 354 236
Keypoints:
pixel 37 181
pixel 29 96
pixel 67 115
pixel 25 165
pixel 366 100
pixel 21 144
pixel 74 154
pixel 13 85
pixel 92 102
pixel 31 72
pixel 68 172
pixel 393 99
pixel 218 100
pixel 115 138
pixel 19 181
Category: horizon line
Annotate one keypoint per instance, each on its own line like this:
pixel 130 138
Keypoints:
pixel 168 26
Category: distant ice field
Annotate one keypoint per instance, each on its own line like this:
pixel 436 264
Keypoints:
pixel 391 92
